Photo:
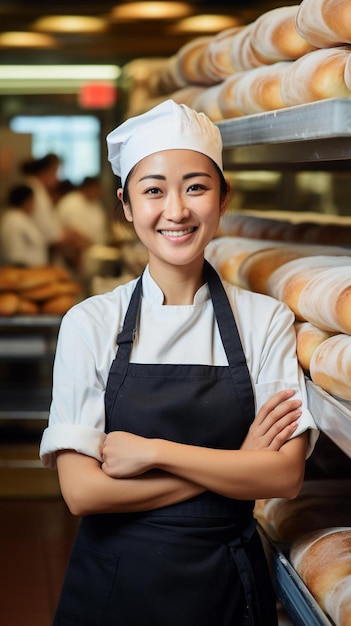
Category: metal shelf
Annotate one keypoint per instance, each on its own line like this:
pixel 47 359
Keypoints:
pixel 311 134
pixel 332 416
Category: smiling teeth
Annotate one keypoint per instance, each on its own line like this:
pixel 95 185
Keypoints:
pixel 177 233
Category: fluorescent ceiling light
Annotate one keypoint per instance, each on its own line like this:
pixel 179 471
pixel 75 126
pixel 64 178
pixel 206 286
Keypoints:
pixel 204 24
pixel 70 24
pixel 60 72
pixel 156 10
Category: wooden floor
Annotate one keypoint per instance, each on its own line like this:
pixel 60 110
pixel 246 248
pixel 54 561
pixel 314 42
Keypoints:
pixel 35 541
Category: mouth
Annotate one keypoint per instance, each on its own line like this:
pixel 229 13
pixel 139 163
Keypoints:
pixel 178 233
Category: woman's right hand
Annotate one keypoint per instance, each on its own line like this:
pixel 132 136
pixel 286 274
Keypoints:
pixel 274 423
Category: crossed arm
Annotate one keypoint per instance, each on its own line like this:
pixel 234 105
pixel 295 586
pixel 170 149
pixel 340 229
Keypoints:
pixel 139 474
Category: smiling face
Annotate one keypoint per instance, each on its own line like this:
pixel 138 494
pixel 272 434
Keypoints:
pixel 175 203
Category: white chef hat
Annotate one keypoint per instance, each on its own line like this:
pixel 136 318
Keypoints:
pixel 167 126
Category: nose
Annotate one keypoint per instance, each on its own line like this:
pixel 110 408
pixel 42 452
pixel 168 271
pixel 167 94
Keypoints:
pixel 176 209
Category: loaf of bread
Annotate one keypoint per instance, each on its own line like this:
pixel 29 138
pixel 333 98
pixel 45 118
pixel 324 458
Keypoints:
pixel 330 366
pixel 256 269
pixel 320 504
pixel 317 75
pixel 242 52
pixel 259 89
pixel 288 281
pixel 206 101
pixel 323 561
pixel 25 291
pixel 191 62
pixel 308 338
pixel 325 301
pixel 220 60
pixel 324 23
pixel 226 100
pixel 274 36
pixel 9 303
pixel 227 254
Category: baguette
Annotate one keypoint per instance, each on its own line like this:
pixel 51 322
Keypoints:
pixel 325 301
pixel 323 561
pixel 324 23
pixel 308 338
pixel 330 366
pixel 275 37
pixel 317 75
pixel 9 303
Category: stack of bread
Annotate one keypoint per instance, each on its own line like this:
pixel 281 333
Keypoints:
pixel 323 561
pixel 315 530
pixel 315 282
pixel 47 290
pixel 289 55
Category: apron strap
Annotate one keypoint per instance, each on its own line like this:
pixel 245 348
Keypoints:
pixel 231 343
pixel 238 553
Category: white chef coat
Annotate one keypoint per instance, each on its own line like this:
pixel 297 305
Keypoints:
pixel 87 217
pixel 185 334
pixel 21 241
pixel 45 214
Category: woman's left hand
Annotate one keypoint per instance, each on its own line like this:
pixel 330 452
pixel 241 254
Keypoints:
pixel 126 455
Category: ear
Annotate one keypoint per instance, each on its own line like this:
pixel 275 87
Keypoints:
pixel 126 206
pixel 225 199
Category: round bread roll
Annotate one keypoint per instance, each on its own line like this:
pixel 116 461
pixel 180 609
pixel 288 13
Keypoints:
pixel 325 301
pixel 308 338
pixel 288 281
pixel 324 23
pixel 256 269
pixel 330 366
pixel 58 305
pixel 323 561
pixel 51 290
pixel 9 303
pixel 275 38
pixel 316 76
pixel 10 278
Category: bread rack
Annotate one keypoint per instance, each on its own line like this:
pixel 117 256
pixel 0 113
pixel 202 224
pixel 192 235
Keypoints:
pixel 313 136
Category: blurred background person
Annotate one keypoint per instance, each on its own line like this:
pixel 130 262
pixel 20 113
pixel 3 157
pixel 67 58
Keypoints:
pixel 82 210
pixel 22 242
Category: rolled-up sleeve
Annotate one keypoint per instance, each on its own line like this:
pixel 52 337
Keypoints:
pixel 77 412
pixel 280 369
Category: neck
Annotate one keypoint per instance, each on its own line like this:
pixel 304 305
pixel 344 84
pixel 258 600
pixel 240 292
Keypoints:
pixel 179 284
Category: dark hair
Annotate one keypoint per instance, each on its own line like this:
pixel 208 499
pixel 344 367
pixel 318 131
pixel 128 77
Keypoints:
pixel 19 194
pixel 35 166
pixel 223 184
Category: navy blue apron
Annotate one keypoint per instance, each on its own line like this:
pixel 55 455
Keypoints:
pixel 196 563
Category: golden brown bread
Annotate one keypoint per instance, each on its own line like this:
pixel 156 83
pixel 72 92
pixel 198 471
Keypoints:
pixel 308 338
pixel 323 561
pixel 33 277
pixel 27 307
pixel 191 62
pixel 256 269
pixel 51 290
pixel 288 281
pixel 325 301
pixel 275 38
pixel 9 303
pixel 220 61
pixel 324 23
pixel 10 278
pixel 316 76
pixel 330 366
pixel 58 305
pixel 259 89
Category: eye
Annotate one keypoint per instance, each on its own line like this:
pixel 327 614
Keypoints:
pixel 196 187
pixel 152 191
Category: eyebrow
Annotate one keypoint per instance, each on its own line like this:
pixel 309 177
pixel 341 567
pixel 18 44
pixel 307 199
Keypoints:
pixel 185 177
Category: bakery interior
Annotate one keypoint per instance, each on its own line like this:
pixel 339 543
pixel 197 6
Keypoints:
pixel 279 88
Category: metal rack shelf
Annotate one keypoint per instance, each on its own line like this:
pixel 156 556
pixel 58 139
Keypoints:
pixel 332 416
pixel 290 589
pixel 316 135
